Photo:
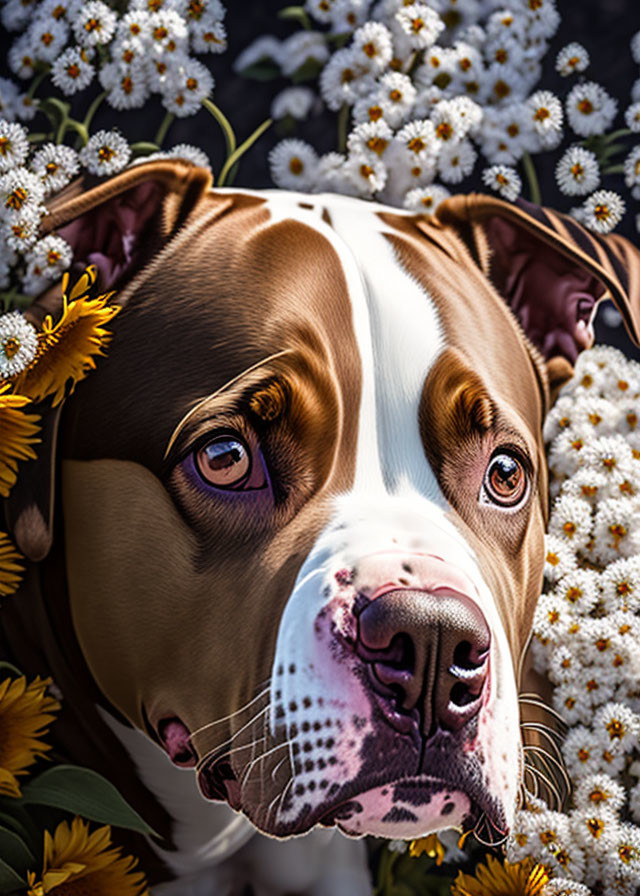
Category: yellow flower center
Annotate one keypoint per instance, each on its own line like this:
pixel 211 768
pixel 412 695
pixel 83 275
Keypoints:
pixel 632 419
pixel 134 29
pixel 592 685
pixel 427 201
pixel 573 61
pixel 501 89
pixel 585 106
pixel 465 64
pixel 53 256
pixel 583 754
pixel 192 84
pixel 547 837
pixel 553 616
pixel 626 853
pixel 597 795
pixel 552 559
pixel 16 199
pixel 5 146
pixel 602 644
pixel 501 56
pixel 160 33
pixel 417 25
pixel 395 96
pixel 58 12
pixel 444 131
pixel 296 165
pixel 589 490
pixel 366 170
pixel 375 113
pixel 574 594
pixel 46 38
pixel 377 145
pixel 11 347
pixel 92 25
pixel 617 531
pixel 513 130
pixel 615 729
pixel 569 528
pixel 416 144
pixel 595 826
pixel 73 70
pixel 587 380
pixel 196 8
pixel 51 167
pixel 347 75
pixel 623 385
pixel 127 84
pixel 594 419
pixel 369 49
pixel 608 463
pixel 106 153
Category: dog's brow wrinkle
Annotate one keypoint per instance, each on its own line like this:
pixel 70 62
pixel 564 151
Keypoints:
pixel 176 432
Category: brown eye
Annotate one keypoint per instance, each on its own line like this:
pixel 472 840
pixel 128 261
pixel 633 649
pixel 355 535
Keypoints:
pixel 505 480
pixel 224 462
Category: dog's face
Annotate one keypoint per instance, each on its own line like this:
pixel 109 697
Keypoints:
pixel 304 504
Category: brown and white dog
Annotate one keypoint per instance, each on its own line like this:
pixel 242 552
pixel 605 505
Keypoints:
pixel 298 534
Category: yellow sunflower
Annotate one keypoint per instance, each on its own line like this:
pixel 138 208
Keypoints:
pixel 502 879
pixel 67 350
pixel 26 711
pixel 18 432
pixel 11 568
pixel 77 863
pixel 430 845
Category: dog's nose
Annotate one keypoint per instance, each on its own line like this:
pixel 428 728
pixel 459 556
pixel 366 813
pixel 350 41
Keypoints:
pixel 427 654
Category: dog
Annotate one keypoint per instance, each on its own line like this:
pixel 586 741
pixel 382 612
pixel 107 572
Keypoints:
pixel 287 538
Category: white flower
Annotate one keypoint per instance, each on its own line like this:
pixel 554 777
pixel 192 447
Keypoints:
pixel 590 109
pixel 578 172
pixel 21 58
pixel 425 199
pixel 617 725
pixel 418 138
pixel 14 146
pixel 635 47
pixel 348 14
pixel 397 846
pixel 559 558
pixel 420 24
pixel 367 174
pixel 320 10
pixel 55 165
pixel 72 71
pixel 208 37
pixel 21 232
pixel 562 886
pixel 18 343
pixel 21 192
pixel 603 211
pixel 16 14
pixel 106 153
pixel 264 48
pixel 186 87
pixel 398 94
pixel 190 154
pixel 632 117
pixel 372 46
pixel 582 752
pixel 8 98
pixel 293 101
pixel 546 115
pixel 572 58
pixel 632 171
pixel 580 589
pixel 168 33
pixel 95 23
pixel 301 48
pixel 50 256
pixel 543 19
pixel 595 827
pixel 506 133
pixel 344 79
pixel 626 852
pixel 48 38
pixel 596 791
pixel 26 107
pixel 127 86
pixel 134 26
pixel 293 165
pixel 456 161
pixel 620 583
pixel 331 175
pixel 448 122
pixel 571 521
pixel 370 139
pixel 503 180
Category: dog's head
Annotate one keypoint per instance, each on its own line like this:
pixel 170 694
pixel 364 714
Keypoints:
pixel 304 498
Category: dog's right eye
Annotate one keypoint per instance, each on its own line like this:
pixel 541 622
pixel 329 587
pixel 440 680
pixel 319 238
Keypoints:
pixel 505 481
pixel 224 462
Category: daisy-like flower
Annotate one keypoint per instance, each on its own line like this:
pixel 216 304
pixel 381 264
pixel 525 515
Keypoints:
pixel 582 752
pixel 21 194
pixel 18 344
pixel 127 86
pixel 590 109
pixel 293 165
pixel 50 256
pixel 495 878
pixel 559 418
pixel 603 211
pixel 596 791
pixel 14 146
pixel 617 725
pixel 635 47
pixel 421 25
pixel 134 26
pixel 76 861
pixel 186 87
pixel 264 48
pixel 107 152
pixel 506 133
pixel 168 33
pixel 21 58
pixel 367 174
pixel 370 139
pixel 372 46
pixel 26 711
pixel 632 171
pixel 208 37
pixel 94 24
pixel 418 139
pixel 48 37
pixel 456 161
pixel 588 484
pixel 16 14
pixel 572 58
pixel 559 559
pixel 300 48
pixel 11 568
pixel 68 349
pixel 22 231
pixel 344 79
pixel 331 175
pixel 292 101
pixel 398 94
pixel 503 180
pixel 552 618
pixel 449 126
pixel 190 154
pixel 580 589
pixel 571 521
pixel 616 529
pixel 426 199
pixel 55 165
pixel 546 115
pixel 72 71
pixel 562 886
pixel 563 662
pixel 632 117
pixel 620 585
pixel 626 851
pixel 595 827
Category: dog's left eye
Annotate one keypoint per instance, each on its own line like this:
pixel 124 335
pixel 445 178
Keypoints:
pixel 224 462
pixel 505 482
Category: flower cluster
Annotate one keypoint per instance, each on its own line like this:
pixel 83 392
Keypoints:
pixel 423 91
pixel 586 631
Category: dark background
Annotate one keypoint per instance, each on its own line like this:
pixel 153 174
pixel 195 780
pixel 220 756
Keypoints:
pixel 605 27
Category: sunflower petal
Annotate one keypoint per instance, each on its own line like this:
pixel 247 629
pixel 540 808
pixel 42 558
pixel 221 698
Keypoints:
pixel 11 568
pixel 18 432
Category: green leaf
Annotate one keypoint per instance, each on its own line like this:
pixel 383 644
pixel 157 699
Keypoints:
pixel 21 825
pixel 10 668
pixel 10 880
pixel 296 14
pixel 309 70
pixel 15 852
pixel 264 69
pixel 83 792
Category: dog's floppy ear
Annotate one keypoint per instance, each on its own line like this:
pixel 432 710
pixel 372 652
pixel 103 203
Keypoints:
pixel 117 225
pixel 550 270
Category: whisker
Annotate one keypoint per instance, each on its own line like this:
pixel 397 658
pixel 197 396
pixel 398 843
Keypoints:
pixel 247 771
pixel 233 714
pixel 224 752
pixel 279 800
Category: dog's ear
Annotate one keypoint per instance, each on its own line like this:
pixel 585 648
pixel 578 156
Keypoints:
pixel 117 225
pixel 550 270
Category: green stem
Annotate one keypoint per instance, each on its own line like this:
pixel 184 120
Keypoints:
pixel 144 147
pixel 37 138
pixel 622 132
pixel 343 123
pixel 532 178
pixel 93 108
pixel 38 79
pixel 613 169
pixel 221 118
pixel 79 128
pixel 240 151
pixel 167 121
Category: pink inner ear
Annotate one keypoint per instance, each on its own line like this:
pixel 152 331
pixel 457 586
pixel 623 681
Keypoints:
pixel 111 236
pixel 552 297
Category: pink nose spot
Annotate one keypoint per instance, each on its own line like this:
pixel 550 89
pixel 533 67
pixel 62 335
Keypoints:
pixel 176 740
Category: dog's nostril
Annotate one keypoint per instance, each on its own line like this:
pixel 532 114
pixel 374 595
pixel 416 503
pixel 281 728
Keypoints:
pixel 461 695
pixel 469 656
pixel 175 737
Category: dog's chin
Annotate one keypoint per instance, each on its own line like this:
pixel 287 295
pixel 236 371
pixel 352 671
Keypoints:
pixel 406 808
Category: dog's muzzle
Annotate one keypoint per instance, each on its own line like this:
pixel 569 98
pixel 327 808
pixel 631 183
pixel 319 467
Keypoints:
pixel 426 655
